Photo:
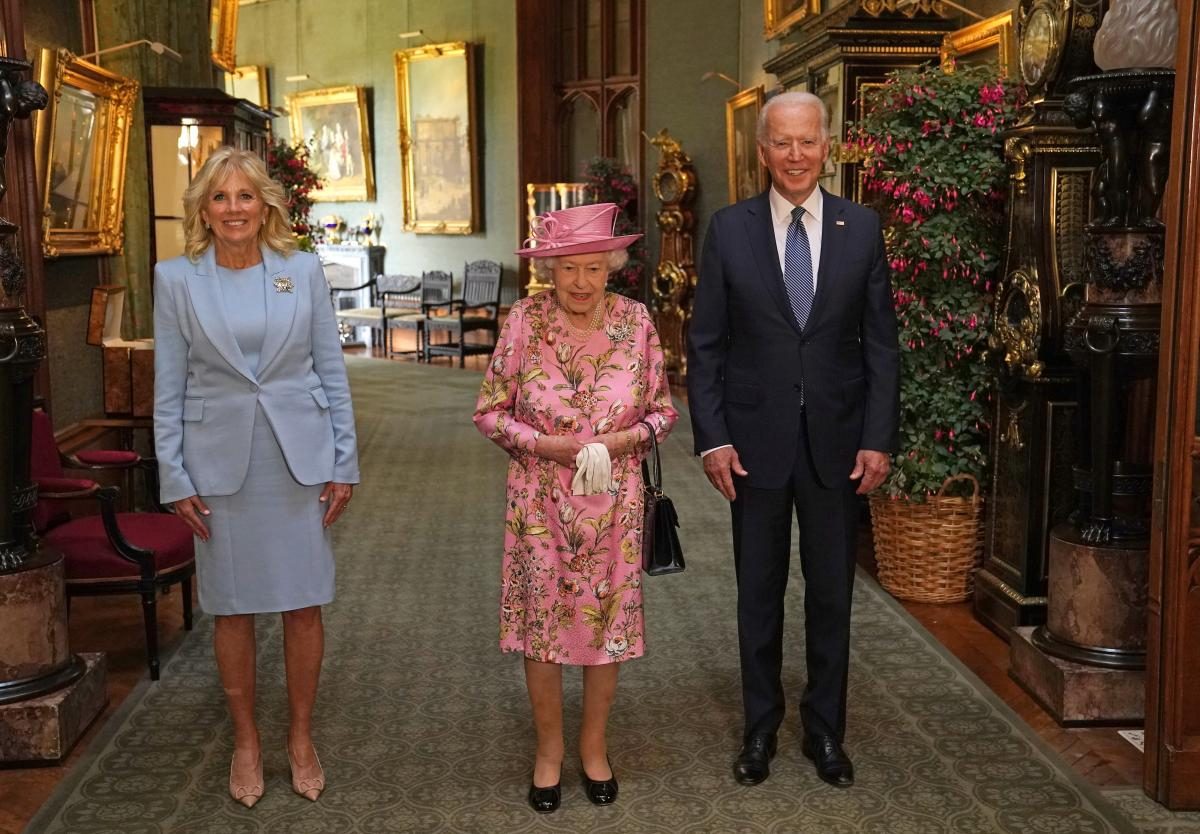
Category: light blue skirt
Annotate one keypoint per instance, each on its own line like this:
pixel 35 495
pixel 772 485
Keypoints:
pixel 268 550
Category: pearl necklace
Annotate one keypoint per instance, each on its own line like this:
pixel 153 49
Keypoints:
pixel 585 333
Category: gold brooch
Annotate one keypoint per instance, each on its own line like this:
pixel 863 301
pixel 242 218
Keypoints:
pixel 284 284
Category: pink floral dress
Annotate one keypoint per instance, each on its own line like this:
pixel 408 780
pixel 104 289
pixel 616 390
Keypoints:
pixel 571 587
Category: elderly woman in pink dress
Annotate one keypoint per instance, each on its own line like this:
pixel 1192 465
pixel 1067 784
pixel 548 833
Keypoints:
pixel 575 386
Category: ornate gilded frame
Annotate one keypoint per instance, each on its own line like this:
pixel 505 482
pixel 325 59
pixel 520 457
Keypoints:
pixel 779 20
pixel 359 188
pixel 449 102
pixel 998 31
pixel 751 98
pixel 104 233
pixel 250 75
pixel 224 34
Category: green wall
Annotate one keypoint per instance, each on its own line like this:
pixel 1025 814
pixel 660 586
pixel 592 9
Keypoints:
pixel 684 40
pixel 353 42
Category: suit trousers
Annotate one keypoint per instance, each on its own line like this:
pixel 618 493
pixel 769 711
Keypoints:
pixel 762 534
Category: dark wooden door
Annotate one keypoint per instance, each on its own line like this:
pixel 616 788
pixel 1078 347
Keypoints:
pixel 1172 766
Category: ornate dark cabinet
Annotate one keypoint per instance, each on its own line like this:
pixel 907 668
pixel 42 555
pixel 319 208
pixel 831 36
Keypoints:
pixel 849 49
pixel 1035 429
pixel 183 126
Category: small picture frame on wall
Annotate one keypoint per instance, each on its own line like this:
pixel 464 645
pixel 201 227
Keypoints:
pixel 333 122
pixel 436 102
pixel 781 16
pixel 747 177
pixel 250 83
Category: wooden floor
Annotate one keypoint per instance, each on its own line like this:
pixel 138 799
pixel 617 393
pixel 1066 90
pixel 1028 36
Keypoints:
pixel 114 625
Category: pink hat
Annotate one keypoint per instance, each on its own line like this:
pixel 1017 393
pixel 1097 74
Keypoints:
pixel 575 230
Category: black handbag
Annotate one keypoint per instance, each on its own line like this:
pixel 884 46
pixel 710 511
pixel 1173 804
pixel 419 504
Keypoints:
pixel 661 553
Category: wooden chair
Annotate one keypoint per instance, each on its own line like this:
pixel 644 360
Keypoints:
pixel 477 310
pixel 99 550
pixel 393 296
pixel 434 288
pixel 347 292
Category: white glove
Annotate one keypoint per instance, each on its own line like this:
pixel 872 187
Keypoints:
pixel 593 470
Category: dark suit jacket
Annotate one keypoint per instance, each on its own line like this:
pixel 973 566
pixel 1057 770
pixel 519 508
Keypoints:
pixel 747 356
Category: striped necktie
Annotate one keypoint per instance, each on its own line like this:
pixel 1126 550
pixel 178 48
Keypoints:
pixel 797 268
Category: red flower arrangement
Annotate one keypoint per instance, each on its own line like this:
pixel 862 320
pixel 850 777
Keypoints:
pixel 289 165
pixel 608 181
pixel 934 166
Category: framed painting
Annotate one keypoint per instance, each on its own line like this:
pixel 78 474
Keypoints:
pixel 250 83
pixel 333 122
pixel 80 147
pixel 991 41
pixel 435 87
pixel 781 16
pixel 224 15
pixel 747 177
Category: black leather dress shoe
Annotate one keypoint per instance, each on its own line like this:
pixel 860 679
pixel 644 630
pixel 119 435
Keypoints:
pixel 753 764
pixel 602 792
pixel 545 800
pixel 833 765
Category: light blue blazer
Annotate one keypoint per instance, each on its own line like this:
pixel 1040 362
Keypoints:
pixel 206 395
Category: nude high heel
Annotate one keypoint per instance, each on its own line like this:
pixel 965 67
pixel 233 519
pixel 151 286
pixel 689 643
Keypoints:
pixel 250 792
pixel 308 782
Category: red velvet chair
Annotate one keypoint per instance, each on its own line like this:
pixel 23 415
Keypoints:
pixel 100 550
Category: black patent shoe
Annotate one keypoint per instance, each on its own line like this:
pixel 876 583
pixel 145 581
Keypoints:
pixel 753 764
pixel 545 800
pixel 833 765
pixel 601 792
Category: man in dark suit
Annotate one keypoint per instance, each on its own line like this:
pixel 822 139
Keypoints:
pixel 793 387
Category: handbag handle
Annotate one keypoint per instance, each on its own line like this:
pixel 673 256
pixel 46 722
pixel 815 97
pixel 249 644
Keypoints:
pixel 653 473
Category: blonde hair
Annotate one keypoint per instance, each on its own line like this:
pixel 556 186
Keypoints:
pixel 617 258
pixel 276 230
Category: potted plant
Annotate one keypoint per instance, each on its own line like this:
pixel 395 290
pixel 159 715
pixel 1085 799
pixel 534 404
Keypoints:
pixel 933 162
pixel 608 181
pixel 289 165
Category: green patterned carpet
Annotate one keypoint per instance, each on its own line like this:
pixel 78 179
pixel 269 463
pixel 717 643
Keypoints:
pixel 423 726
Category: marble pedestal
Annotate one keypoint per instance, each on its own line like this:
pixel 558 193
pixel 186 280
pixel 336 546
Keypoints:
pixel 1086 665
pixel 34 655
pixel 1075 693
pixel 48 696
pixel 45 729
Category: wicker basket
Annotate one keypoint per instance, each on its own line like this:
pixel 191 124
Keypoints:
pixel 929 552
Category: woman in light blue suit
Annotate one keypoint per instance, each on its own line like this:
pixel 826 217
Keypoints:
pixel 255 438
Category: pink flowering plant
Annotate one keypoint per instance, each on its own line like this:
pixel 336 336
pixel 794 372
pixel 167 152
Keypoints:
pixel 934 167
pixel 608 181
pixel 289 165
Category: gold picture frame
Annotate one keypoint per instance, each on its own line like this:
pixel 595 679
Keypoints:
pixel 224 19
pixel 80 142
pixel 333 122
pixel 435 100
pixel 781 16
pixel 993 37
pixel 746 175
pixel 249 82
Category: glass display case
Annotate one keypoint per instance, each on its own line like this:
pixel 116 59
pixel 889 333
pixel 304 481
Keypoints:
pixel 184 126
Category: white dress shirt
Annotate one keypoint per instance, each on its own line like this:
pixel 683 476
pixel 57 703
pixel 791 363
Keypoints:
pixel 781 219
